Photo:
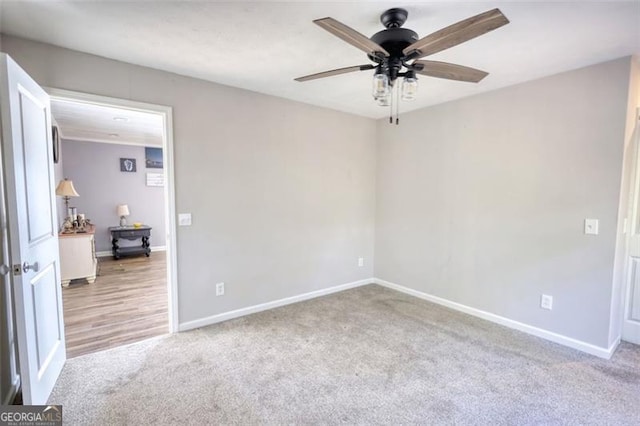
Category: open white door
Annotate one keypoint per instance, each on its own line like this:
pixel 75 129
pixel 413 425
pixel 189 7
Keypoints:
pixel 631 322
pixel 30 223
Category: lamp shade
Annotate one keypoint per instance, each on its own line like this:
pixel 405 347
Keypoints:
pixel 122 210
pixel 65 189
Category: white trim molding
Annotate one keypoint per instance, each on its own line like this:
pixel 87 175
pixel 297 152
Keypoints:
pixel 589 348
pixel 516 325
pixel 214 319
pixel 108 253
pixel 109 141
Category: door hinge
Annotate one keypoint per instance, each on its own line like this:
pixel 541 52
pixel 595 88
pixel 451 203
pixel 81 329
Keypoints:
pixel 17 269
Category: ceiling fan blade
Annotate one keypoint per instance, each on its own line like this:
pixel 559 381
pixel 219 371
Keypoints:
pixel 457 33
pixel 449 71
pixel 351 36
pixel 335 72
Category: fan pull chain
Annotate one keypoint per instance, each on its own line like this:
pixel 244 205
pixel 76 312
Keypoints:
pixel 398 106
pixel 391 106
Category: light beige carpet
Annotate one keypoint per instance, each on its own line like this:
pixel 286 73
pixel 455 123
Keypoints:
pixel 364 356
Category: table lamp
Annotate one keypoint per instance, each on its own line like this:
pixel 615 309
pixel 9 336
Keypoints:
pixel 66 190
pixel 123 211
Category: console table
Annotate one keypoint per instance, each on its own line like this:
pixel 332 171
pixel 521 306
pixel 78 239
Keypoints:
pixel 131 233
pixel 78 256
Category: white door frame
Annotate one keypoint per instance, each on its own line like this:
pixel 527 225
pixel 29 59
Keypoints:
pixel 169 187
pixel 631 226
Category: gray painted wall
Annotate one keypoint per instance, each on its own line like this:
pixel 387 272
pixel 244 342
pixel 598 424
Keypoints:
pixel 282 193
pixel 94 169
pixel 482 201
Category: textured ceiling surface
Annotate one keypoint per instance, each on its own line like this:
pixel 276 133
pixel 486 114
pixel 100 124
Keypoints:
pixel 89 122
pixel 263 46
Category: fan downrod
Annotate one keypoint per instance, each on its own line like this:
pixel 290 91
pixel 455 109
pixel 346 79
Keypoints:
pixel 394 18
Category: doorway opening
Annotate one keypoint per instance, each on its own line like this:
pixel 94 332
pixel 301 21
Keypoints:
pixel 118 155
pixel 631 297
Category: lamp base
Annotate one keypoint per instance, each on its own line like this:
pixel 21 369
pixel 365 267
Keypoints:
pixel 123 221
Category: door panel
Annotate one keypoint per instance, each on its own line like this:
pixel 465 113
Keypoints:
pixel 35 165
pixel 33 241
pixel 48 334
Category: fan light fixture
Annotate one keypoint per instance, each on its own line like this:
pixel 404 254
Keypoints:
pixel 383 86
pixel 396 53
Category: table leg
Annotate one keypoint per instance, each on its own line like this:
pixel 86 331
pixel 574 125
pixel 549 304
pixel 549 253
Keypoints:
pixel 114 248
pixel 145 245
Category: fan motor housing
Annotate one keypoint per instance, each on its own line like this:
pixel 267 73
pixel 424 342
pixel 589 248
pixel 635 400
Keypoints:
pixel 394 40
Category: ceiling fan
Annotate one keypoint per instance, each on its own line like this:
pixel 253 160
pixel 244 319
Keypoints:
pixel 396 51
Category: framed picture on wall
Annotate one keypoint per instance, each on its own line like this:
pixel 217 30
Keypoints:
pixel 128 165
pixel 55 139
pixel 153 157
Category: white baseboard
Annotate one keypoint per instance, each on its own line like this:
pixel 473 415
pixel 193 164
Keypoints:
pixel 516 325
pixel 529 329
pixel 110 253
pixel 190 325
pixel 614 346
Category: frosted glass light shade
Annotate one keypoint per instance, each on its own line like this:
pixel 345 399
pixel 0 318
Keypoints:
pixel 380 85
pixel 384 100
pixel 122 210
pixel 409 88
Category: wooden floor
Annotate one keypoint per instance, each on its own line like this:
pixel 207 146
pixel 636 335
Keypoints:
pixel 127 303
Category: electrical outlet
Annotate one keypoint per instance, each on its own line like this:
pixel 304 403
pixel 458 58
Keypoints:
pixel 220 289
pixel 546 302
pixel 361 261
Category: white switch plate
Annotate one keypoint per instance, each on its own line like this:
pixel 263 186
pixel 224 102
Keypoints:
pixel 591 226
pixel 184 219
pixel 546 302
pixel 220 289
pixel 361 261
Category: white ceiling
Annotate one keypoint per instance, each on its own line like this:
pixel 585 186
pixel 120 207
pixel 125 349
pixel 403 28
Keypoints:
pixel 89 122
pixel 263 46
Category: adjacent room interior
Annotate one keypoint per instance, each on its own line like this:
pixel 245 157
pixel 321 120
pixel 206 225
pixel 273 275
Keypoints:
pixel 109 166
pixel 349 249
